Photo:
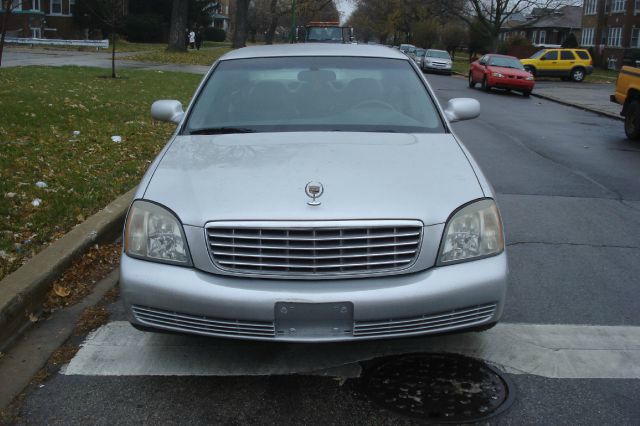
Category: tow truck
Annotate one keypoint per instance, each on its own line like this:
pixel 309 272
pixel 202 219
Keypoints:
pixel 324 32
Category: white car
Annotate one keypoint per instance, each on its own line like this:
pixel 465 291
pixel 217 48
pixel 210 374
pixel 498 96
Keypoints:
pixel 438 61
pixel 314 192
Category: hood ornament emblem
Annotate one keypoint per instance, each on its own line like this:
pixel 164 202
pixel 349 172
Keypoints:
pixel 314 190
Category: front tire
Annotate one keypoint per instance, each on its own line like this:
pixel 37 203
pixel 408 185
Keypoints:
pixel 631 125
pixel 526 93
pixel 485 85
pixel 472 83
pixel 577 74
pixel 531 70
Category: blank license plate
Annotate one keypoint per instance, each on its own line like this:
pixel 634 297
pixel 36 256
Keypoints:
pixel 314 319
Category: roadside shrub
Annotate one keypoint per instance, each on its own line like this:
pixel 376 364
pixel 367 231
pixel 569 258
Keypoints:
pixel 214 34
pixel 513 43
pixel 145 28
pixel 571 42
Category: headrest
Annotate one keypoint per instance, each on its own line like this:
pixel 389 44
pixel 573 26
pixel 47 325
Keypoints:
pixel 316 75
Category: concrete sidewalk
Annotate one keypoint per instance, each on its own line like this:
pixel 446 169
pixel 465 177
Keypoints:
pixel 17 56
pixel 589 96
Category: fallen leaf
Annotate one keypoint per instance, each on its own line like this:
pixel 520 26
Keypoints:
pixel 60 290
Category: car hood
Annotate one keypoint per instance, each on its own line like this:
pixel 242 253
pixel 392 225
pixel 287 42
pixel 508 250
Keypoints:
pixel 526 61
pixel 262 176
pixel 509 71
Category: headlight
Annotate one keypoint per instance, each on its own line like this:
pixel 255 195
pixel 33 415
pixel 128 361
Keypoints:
pixel 154 233
pixel 474 232
pixel 497 74
pixel 529 78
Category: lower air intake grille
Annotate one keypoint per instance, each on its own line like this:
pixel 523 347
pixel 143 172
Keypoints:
pixel 201 324
pixel 432 323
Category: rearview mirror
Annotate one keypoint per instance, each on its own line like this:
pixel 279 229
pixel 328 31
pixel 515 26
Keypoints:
pixel 459 109
pixel 167 110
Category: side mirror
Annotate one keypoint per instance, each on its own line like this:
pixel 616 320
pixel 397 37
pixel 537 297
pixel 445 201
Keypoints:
pixel 167 110
pixel 459 109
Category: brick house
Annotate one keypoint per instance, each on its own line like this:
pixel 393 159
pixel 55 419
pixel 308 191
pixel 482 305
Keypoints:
pixel 545 28
pixel 609 27
pixel 43 19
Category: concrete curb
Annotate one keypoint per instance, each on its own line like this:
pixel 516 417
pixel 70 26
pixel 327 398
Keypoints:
pixel 23 291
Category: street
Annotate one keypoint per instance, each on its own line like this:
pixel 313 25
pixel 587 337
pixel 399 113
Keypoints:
pixel 567 185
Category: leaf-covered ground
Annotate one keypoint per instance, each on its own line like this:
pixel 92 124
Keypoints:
pixel 58 162
pixel 204 56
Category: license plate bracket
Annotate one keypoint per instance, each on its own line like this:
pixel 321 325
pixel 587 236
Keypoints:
pixel 294 319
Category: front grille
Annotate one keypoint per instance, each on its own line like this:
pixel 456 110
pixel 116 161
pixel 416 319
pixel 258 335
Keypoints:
pixel 271 248
pixel 431 323
pixel 201 324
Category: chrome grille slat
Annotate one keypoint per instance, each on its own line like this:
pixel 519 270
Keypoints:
pixel 202 324
pixel 456 314
pixel 444 320
pixel 337 256
pixel 319 249
pixel 275 247
pixel 313 266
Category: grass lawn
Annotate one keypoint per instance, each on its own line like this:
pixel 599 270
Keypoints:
pixel 40 108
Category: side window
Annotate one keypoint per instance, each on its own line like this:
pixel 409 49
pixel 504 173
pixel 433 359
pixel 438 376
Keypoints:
pixel 583 55
pixel 483 60
pixel 551 56
pixel 567 55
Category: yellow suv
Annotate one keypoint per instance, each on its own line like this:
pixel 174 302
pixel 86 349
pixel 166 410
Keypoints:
pixel 568 64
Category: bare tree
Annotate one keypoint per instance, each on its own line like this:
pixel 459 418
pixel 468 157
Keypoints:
pixel 111 14
pixel 7 6
pixel 178 27
pixel 491 15
pixel 242 15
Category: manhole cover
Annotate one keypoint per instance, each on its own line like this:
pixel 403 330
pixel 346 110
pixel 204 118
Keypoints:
pixel 438 388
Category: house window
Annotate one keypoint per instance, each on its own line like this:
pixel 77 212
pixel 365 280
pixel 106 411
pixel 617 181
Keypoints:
pixel 72 6
pixel 615 37
pixel 618 6
pixel 534 37
pixel 587 36
pixel 635 37
pixel 543 37
pixel 636 6
pixel 16 5
pixel 591 6
pixel 56 7
pixel 35 4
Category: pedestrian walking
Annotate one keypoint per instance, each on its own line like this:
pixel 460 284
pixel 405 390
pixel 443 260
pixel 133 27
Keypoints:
pixel 192 39
pixel 198 39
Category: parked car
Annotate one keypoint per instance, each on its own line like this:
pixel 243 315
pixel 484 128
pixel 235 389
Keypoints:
pixel 314 193
pixel 419 56
pixel 501 71
pixel 627 94
pixel 437 61
pixel 568 64
pixel 408 49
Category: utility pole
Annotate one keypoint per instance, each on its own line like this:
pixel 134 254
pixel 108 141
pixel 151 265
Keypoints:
pixel 293 21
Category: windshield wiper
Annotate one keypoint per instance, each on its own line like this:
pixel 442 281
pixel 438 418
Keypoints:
pixel 220 131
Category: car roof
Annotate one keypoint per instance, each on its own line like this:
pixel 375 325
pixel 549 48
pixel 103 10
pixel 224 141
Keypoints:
pixel 500 55
pixel 314 49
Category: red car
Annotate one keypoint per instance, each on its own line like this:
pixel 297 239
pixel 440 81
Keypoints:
pixel 504 72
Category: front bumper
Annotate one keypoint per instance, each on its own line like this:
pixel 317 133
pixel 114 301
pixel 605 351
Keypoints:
pixel 446 69
pixel 511 83
pixel 441 299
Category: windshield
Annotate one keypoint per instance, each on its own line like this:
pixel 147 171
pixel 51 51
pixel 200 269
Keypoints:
pixel 420 52
pixel 537 54
pixel 438 54
pixel 324 34
pixel 501 61
pixel 314 94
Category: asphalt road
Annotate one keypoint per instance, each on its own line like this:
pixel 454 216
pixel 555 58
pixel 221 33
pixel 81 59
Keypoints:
pixel 567 185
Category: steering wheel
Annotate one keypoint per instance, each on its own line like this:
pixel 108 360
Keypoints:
pixel 374 103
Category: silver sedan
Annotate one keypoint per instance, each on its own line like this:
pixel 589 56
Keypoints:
pixel 314 193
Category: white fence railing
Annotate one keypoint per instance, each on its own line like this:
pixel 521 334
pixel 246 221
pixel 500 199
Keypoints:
pixel 58 42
